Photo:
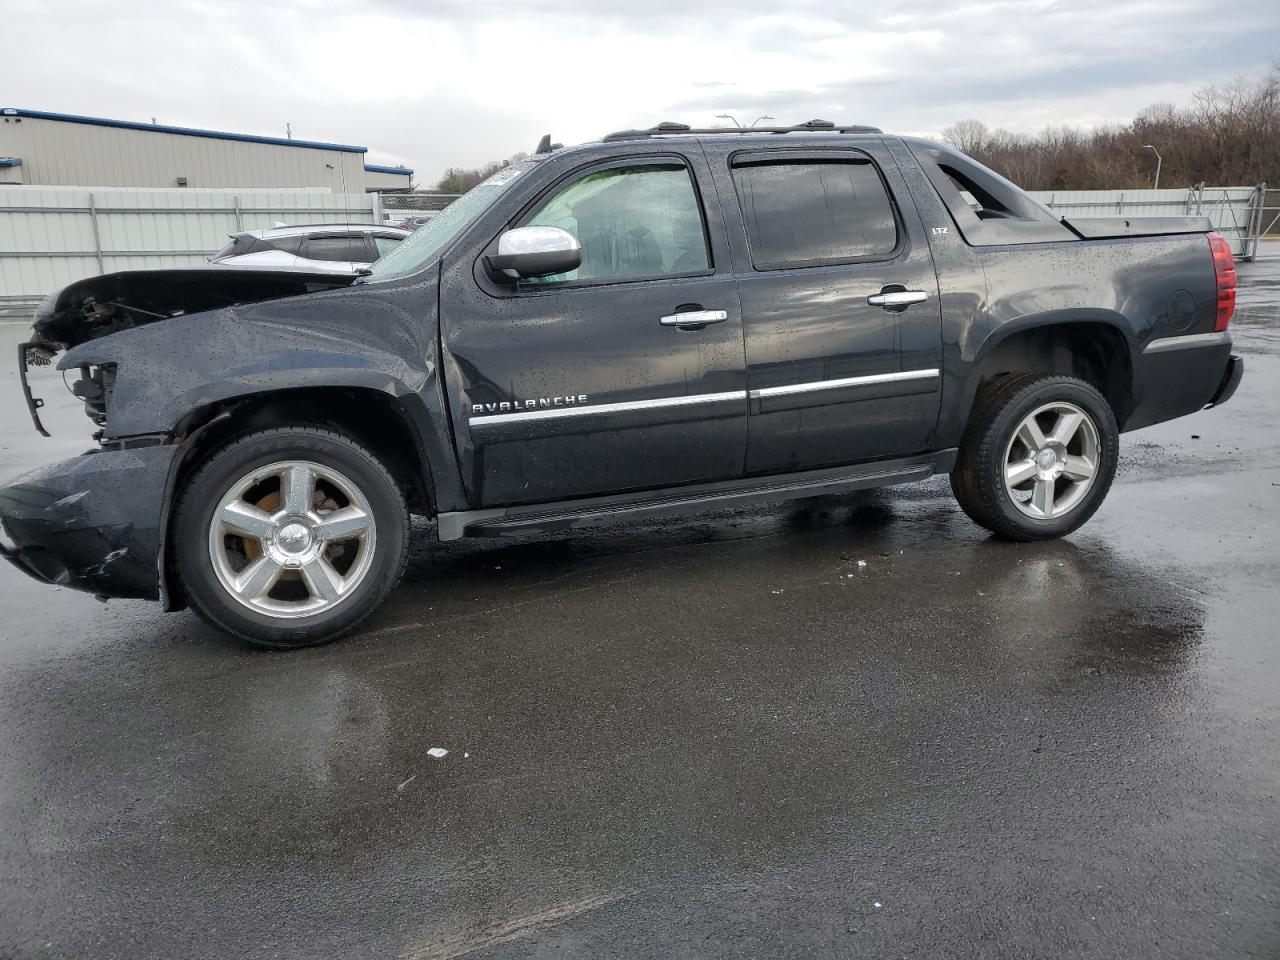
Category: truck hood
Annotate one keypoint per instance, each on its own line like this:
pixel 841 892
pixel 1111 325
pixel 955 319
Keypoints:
pixel 97 306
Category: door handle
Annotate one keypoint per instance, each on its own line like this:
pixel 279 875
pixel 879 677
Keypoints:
pixel 897 298
pixel 694 318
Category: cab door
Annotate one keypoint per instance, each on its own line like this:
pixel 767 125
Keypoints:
pixel 626 374
pixel 841 316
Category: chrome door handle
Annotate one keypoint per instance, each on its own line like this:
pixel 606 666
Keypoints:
pixel 897 298
pixel 694 318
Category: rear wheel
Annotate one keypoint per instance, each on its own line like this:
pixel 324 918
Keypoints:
pixel 291 536
pixel 1038 457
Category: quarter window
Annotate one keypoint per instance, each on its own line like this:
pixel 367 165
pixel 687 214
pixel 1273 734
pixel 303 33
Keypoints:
pixel 286 244
pixel 632 223
pixel 805 213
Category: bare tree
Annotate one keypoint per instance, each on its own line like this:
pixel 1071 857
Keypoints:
pixel 462 179
pixel 967 136
pixel 1228 135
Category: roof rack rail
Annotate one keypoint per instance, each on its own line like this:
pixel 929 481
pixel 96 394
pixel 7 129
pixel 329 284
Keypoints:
pixel 667 128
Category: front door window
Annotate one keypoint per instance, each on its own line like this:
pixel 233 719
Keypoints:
pixel 633 223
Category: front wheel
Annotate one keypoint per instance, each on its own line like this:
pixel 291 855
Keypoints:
pixel 289 537
pixel 1038 457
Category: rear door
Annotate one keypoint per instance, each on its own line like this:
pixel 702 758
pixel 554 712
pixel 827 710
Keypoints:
pixel 626 374
pixel 840 306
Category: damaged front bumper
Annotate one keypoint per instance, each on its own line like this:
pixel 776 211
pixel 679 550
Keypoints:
pixel 41 354
pixel 93 523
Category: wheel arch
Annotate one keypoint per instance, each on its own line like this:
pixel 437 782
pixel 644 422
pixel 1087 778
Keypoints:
pixel 376 419
pixel 1096 346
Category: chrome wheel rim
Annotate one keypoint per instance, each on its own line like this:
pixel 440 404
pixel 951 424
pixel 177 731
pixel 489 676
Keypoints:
pixel 292 539
pixel 1051 461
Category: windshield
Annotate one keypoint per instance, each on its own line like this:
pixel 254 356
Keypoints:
pixel 433 236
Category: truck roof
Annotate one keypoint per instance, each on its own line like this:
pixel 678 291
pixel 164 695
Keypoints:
pixel 669 130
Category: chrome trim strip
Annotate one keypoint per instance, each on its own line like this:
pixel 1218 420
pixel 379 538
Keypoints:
pixel 560 413
pixel 817 385
pixel 1164 344
pixel 493 420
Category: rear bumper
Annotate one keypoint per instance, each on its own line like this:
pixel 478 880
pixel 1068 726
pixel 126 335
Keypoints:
pixel 1230 381
pixel 93 523
pixel 1177 376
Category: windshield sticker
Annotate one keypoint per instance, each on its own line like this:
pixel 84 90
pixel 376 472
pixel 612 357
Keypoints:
pixel 503 177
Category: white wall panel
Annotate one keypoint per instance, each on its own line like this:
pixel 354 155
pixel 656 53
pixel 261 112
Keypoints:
pixel 47 235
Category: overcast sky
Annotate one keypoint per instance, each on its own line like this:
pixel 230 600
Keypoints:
pixel 434 83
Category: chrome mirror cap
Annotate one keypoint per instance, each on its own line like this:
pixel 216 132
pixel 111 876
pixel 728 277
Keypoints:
pixel 536 252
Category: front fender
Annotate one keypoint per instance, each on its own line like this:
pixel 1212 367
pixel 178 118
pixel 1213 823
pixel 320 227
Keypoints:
pixel 166 369
pixel 375 336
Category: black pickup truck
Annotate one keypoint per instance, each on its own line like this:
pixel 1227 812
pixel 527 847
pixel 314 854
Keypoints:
pixel 664 320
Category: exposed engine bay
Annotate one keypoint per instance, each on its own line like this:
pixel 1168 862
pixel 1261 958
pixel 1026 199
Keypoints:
pixel 99 306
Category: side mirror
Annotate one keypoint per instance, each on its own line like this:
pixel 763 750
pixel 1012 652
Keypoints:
pixel 536 252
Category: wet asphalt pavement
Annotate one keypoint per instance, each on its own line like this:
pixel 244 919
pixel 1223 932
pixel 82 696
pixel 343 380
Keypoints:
pixel 846 727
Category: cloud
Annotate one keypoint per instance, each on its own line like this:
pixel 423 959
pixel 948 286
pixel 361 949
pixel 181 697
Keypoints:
pixel 455 82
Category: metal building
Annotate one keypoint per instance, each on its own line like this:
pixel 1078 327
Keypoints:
pixel 386 179
pixel 57 149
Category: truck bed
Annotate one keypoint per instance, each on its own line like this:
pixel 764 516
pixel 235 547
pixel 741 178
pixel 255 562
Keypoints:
pixel 1106 228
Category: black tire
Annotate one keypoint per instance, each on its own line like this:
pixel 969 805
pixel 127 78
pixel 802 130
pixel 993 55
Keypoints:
pixel 978 480
pixel 205 489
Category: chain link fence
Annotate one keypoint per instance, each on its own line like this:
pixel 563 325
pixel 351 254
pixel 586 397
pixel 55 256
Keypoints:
pixel 1238 213
pixel 416 205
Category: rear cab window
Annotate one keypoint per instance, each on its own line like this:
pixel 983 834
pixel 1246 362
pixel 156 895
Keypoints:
pixel 813 211
pixel 987 209
pixel 980 201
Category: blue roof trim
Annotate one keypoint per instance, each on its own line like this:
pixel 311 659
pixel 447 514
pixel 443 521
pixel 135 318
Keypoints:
pixel 184 131
pixel 379 168
pixel 10 161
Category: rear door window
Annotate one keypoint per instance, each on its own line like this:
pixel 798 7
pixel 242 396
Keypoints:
pixel 340 248
pixel 803 213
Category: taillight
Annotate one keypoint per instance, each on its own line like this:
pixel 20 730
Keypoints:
pixel 1224 270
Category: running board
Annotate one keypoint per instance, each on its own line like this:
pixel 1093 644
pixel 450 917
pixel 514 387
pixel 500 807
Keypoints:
pixel 572 514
